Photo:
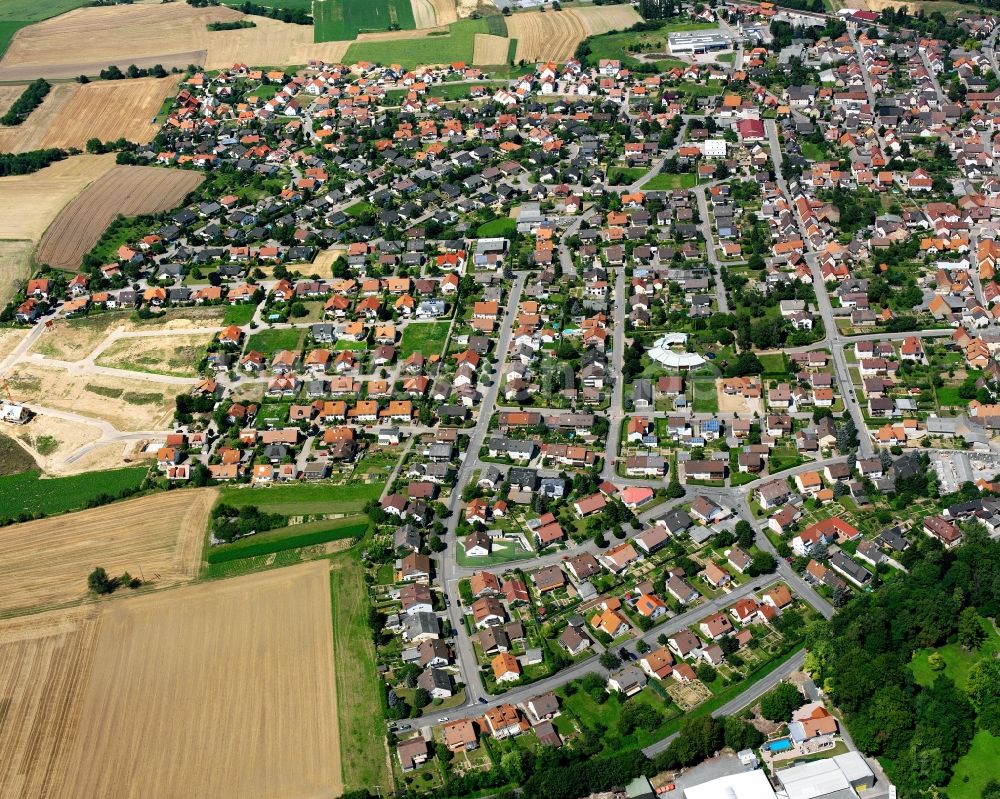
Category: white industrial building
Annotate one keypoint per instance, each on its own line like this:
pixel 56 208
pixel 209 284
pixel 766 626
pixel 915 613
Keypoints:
pixel 697 42
pixel 745 785
pixel 838 777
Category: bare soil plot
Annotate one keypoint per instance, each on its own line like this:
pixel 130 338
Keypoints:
pixel 76 339
pixel 601 19
pixel 490 50
pixel 125 403
pixel 548 36
pixel 15 267
pixel 11 337
pixel 50 439
pixel 31 133
pixel 28 203
pixel 126 190
pixel 110 110
pixel 176 355
pixel 246 661
pixel 47 561
pixel 322 264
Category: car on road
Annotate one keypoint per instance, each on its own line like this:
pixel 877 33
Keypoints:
pixel 442 719
pixel 482 700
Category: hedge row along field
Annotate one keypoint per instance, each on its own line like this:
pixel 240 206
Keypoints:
pixel 271 543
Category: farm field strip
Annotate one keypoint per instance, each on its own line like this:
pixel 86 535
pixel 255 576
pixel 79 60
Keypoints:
pixel 125 190
pixel 550 36
pixel 47 561
pixel 252 654
pixel 490 50
pixel 28 203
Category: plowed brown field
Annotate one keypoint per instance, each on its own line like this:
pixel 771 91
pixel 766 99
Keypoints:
pixel 46 562
pixel 224 689
pixel 126 190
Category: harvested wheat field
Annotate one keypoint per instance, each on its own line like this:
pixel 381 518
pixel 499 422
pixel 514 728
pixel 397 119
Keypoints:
pixel 490 50
pixel 423 13
pixel 125 190
pixel 174 355
pixel 445 11
pixel 172 34
pixel 30 134
pixel 10 337
pixel 125 403
pixel 601 19
pixel 88 39
pixel 28 203
pixel 15 267
pixel 110 110
pixel 47 561
pixel 132 697
pixel 8 94
pixel 548 36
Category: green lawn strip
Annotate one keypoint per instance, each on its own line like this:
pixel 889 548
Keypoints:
pixel 27 493
pixel 291 537
pixel 509 555
pixel 305 498
pixel 457 45
pixel 975 768
pixel 359 691
pixel 617 45
pixel 425 337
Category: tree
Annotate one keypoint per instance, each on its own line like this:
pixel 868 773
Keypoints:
pixel 638 716
pixel 984 691
pixel 762 563
pixel 99 583
pixel 744 534
pixel 610 660
pixel 705 673
pixel 741 735
pixel 936 662
pixel 421 697
pixel 970 629
pixel 781 703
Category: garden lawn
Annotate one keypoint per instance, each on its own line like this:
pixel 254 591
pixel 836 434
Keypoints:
pixel 305 498
pixel 239 314
pixel 706 397
pixel 977 767
pixel 426 337
pixel 623 175
pixel 457 45
pixel 502 226
pixel 774 364
pixel 342 20
pixel 957 660
pixel 269 342
pixel 685 180
pixel 812 151
pixel 26 492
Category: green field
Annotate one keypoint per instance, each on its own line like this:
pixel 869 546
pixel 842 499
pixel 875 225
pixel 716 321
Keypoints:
pixel 342 20
pixel 624 175
pixel 501 227
pixel 426 337
pixel 812 151
pixel 457 45
pixel 291 537
pixel 685 180
pixel 774 364
pixel 976 768
pixel 26 492
pixel 359 690
pixel 268 342
pixel 957 660
pixel 304 498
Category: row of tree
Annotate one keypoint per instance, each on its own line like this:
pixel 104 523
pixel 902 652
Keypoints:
pixel 29 100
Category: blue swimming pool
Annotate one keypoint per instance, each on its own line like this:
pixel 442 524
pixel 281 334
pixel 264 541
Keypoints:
pixel 781 745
